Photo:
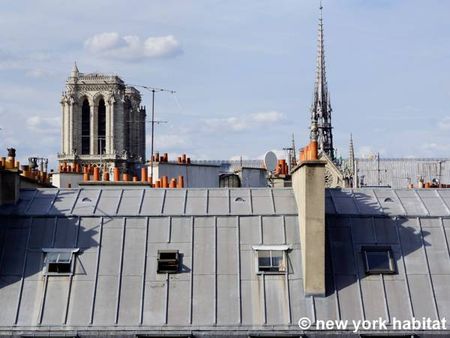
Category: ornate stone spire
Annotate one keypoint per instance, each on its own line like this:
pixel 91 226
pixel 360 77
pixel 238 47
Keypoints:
pixel 75 72
pixel 294 158
pixel 352 164
pixel 351 155
pixel 321 129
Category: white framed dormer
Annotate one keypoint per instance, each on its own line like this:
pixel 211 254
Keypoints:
pixel 271 259
pixel 59 261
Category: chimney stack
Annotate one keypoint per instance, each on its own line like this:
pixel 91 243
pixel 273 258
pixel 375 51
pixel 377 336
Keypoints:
pixel 308 182
pixel 9 179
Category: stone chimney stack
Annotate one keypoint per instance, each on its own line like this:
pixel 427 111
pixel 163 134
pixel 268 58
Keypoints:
pixel 9 178
pixel 308 182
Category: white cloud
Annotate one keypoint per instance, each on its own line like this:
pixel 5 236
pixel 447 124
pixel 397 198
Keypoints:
pixel 103 41
pixel 267 117
pixel 229 123
pixel 366 152
pixel 22 61
pixel 243 122
pixel 9 61
pixel 43 124
pixel 161 46
pixel 435 147
pixel 166 142
pixel 132 47
pixel 37 73
pixel 444 124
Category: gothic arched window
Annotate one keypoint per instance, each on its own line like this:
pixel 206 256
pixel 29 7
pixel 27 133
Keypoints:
pixel 101 141
pixel 85 127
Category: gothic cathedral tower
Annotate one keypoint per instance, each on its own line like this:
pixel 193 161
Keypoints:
pixel 103 122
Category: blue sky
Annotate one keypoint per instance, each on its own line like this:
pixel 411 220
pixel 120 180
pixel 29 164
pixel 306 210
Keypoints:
pixel 243 71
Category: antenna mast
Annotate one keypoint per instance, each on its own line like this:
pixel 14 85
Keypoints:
pixel 153 90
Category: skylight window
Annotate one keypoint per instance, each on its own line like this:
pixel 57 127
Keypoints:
pixel 59 261
pixel 378 260
pixel 168 261
pixel 271 259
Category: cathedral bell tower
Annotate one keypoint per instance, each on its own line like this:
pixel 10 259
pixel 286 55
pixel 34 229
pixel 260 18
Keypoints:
pixel 103 123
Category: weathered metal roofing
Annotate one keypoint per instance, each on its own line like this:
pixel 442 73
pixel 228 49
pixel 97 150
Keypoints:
pixel 119 231
pixel 138 201
pixel 388 202
pixel 399 172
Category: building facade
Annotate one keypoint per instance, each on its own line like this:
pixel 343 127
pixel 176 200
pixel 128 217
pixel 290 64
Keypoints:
pixel 103 122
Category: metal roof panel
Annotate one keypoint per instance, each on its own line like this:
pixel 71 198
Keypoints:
pixel 421 295
pixel 349 297
pixel 130 201
pixel 174 202
pixel 284 201
pixel 373 298
pixel 64 201
pixel 196 201
pixel 397 297
pixel 240 202
pixel 363 230
pixel 344 202
pixel 263 202
pixel 366 202
pixel 218 201
pixel 86 202
pixel 441 285
pixel 42 201
pixel 152 203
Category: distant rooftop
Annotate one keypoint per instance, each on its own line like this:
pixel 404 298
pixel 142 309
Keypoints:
pixel 400 172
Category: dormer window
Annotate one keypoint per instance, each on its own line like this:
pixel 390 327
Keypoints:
pixel 59 261
pixel 271 259
pixel 378 260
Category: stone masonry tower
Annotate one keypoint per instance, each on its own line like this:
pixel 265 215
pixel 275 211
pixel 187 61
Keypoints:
pixel 103 122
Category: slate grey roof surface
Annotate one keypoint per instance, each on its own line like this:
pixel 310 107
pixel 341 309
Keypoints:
pixel 119 231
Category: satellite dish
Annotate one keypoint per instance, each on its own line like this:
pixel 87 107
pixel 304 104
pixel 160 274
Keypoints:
pixel 270 161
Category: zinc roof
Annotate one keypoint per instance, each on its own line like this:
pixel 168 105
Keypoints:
pixel 129 201
pixel 115 286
